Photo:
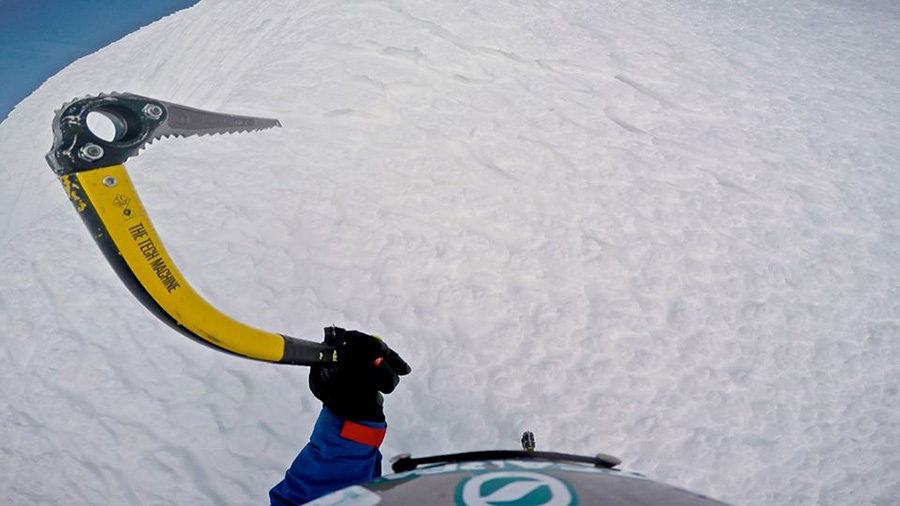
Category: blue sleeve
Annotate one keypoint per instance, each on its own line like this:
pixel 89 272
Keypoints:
pixel 327 463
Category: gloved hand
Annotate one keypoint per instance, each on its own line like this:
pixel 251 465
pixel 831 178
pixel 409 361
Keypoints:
pixel 366 367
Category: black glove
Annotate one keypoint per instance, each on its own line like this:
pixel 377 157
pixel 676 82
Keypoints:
pixel 365 368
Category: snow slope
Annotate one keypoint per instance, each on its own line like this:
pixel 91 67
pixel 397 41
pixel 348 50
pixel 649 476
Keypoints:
pixel 665 230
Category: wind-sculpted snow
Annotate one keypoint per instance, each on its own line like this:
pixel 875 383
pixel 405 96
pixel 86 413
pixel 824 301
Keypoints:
pixel 665 231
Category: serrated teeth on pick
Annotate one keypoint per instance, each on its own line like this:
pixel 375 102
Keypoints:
pixel 180 120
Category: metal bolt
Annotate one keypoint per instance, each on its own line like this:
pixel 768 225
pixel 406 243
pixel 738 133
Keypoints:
pixel 109 181
pixel 90 152
pixel 153 111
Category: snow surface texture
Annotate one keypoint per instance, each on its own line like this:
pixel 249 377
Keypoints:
pixel 665 230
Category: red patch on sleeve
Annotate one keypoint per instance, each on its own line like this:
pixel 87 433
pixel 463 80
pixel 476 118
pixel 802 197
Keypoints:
pixel 362 434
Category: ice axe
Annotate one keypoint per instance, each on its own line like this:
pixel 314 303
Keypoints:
pixel 92 173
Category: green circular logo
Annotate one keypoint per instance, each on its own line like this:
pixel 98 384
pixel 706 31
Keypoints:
pixel 514 488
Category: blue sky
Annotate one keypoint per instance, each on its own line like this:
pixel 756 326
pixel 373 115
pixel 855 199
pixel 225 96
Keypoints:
pixel 40 37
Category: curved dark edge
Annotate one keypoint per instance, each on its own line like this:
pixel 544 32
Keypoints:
pixel 296 351
pixel 101 236
pixel 407 463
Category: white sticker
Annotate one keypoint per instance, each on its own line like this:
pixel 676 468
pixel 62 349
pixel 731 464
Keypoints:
pixel 350 496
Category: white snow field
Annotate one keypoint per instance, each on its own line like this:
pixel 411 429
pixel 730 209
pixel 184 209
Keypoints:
pixel 668 230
